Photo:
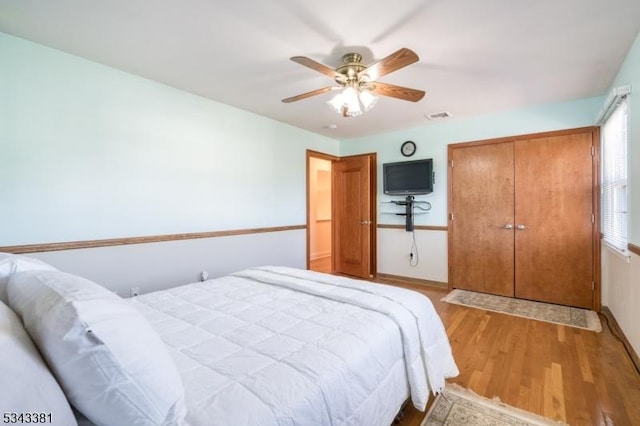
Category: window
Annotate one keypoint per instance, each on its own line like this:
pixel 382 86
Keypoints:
pixel 614 175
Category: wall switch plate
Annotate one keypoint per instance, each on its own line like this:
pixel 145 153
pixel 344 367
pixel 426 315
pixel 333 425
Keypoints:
pixel 134 291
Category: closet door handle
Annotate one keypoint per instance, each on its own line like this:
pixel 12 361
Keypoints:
pixel 507 226
pixel 521 227
pixel 365 222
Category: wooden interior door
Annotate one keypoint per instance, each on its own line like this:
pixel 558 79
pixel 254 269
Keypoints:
pixel 554 205
pixel 481 235
pixel 354 216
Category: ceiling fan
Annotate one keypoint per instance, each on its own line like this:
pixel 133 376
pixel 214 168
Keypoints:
pixel 360 81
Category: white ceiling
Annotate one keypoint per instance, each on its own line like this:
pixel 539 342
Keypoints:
pixel 476 57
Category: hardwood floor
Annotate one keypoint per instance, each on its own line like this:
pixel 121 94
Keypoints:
pixel 563 373
pixel 322 264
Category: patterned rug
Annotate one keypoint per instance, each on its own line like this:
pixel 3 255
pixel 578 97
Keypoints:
pixel 458 406
pixel 558 314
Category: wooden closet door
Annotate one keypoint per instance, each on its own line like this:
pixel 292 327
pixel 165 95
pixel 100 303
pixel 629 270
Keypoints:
pixel 554 201
pixel 481 241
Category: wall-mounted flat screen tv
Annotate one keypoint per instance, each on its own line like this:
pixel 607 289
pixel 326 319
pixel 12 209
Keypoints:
pixel 408 177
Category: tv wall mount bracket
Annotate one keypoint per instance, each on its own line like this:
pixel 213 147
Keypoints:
pixel 409 204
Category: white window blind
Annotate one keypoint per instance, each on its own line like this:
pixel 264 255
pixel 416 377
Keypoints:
pixel 614 176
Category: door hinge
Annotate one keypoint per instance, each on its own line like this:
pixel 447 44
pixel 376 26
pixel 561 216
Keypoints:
pixel 593 286
pixel 593 218
pixel 451 164
pixel 593 151
pixel 450 216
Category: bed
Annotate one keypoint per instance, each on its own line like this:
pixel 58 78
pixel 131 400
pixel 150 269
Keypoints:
pixel 272 346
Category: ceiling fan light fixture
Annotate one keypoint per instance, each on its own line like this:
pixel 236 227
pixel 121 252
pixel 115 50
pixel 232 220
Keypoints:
pixel 368 100
pixel 336 103
pixel 352 102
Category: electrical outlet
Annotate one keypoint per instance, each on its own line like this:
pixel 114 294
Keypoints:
pixel 204 275
pixel 134 291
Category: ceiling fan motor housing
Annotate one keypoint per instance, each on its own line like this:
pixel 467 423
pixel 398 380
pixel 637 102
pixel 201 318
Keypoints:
pixel 351 66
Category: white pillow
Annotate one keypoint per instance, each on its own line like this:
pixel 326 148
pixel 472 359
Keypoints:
pixel 12 263
pixel 27 384
pixel 111 364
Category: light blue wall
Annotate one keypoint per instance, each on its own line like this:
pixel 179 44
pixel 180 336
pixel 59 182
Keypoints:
pixel 90 152
pixel 630 74
pixel 432 141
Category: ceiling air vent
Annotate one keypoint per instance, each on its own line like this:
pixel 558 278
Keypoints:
pixel 438 115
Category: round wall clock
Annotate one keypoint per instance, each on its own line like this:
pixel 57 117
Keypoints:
pixel 408 148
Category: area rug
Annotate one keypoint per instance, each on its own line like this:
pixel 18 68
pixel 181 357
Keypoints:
pixel 459 406
pixel 558 314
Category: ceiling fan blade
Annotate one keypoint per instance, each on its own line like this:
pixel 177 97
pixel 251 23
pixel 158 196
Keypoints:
pixel 391 63
pixel 309 94
pixel 317 66
pixel 404 93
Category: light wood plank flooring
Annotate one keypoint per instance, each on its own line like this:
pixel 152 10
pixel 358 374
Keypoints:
pixel 563 373
pixel 322 264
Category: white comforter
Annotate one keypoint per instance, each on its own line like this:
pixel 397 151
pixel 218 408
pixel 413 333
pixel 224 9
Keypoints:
pixel 277 345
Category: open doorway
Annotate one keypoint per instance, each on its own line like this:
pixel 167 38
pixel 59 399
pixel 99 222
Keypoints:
pixel 319 212
pixel 341 214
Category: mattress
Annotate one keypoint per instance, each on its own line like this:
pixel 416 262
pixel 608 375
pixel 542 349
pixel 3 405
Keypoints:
pixel 282 346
